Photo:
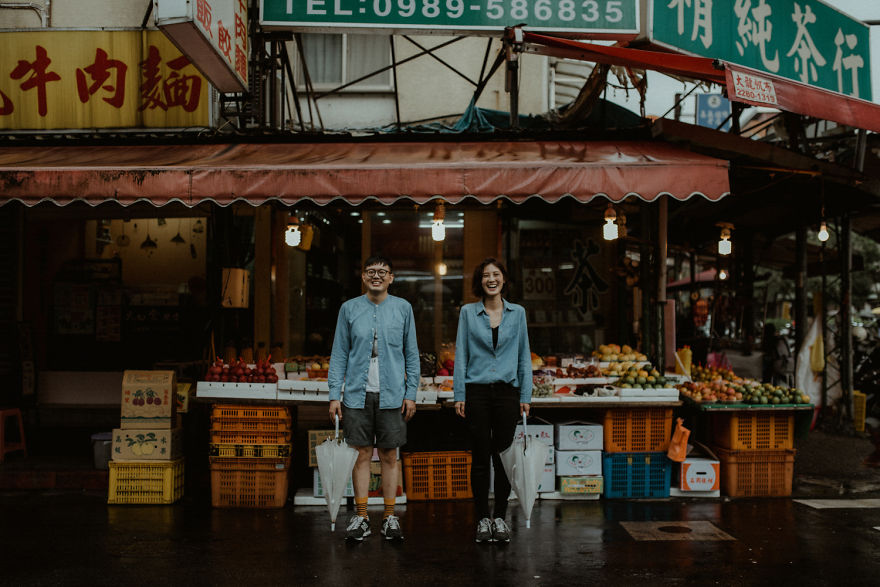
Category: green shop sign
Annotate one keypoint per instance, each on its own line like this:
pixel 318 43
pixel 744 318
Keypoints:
pixel 803 40
pixel 610 18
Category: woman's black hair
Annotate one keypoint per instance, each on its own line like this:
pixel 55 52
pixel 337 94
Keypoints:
pixel 477 281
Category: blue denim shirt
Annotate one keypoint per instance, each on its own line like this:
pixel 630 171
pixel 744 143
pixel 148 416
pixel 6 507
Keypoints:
pixel 477 362
pixel 353 343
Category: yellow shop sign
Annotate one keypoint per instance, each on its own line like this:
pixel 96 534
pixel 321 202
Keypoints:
pixel 98 79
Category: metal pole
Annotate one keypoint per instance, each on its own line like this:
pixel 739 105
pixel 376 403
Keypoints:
pixel 662 225
pixel 800 294
pixel 846 350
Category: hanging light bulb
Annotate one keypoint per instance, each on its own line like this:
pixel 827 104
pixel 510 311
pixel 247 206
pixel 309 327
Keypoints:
pixel 609 230
pixel 725 247
pixel 823 232
pixel 722 275
pixel 442 269
pixel 293 235
pixel 438 230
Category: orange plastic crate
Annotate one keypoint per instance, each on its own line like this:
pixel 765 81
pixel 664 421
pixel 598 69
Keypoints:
pixel 437 475
pixel 259 437
pixel 249 483
pixel 637 429
pixel 227 424
pixel 756 473
pixel 759 430
pixel 237 412
pixel 262 451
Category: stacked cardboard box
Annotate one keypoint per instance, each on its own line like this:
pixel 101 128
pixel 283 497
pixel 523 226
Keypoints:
pixel 147 447
pixel 579 458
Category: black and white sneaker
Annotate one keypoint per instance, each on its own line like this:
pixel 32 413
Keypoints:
pixel 391 528
pixel 358 528
pixel 484 531
pixel 500 531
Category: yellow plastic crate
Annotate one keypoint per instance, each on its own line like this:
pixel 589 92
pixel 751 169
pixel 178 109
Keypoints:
pixel 153 482
pixel 859 404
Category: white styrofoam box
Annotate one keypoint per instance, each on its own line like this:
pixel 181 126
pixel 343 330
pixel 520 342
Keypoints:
pixel 303 385
pixel 228 390
pixel 578 462
pixel 698 474
pixel 579 436
pixel 548 479
pixel 426 397
pixel 318 489
pixel 303 396
pixel 542 432
pixel 637 393
pixel 572 383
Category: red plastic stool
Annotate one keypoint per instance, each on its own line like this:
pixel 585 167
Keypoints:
pixel 5 447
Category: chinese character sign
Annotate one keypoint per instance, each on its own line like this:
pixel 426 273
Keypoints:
pixel 97 79
pixel 713 111
pixel 214 34
pixel 804 40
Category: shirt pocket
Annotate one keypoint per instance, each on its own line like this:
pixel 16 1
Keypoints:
pixel 394 335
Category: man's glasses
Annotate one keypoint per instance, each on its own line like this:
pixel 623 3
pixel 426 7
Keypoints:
pixel 377 273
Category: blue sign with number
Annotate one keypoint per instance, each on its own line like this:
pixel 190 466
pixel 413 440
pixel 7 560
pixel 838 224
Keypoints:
pixel 713 110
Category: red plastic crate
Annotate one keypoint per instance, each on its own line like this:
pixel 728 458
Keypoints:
pixel 437 475
pixel 637 429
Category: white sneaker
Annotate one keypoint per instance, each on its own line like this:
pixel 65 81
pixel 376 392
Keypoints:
pixel 391 528
pixel 500 531
pixel 358 528
pixel 484 530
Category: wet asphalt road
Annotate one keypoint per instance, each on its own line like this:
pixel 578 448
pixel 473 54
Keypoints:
pixel 75 538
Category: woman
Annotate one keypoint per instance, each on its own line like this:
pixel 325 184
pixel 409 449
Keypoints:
pixel 492 386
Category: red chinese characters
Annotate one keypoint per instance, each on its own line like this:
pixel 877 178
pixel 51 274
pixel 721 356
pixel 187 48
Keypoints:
pixel 38 77
pixel 203 15
pixel 99 71
pixel 104 77
pixel 224 40
pixel 175 90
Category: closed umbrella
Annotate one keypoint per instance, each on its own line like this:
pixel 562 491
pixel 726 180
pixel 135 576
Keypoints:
pixel 335 462
pixel 524 464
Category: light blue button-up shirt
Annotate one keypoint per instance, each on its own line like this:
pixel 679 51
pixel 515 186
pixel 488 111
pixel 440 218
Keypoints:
pixel 395 328
pixel 476 361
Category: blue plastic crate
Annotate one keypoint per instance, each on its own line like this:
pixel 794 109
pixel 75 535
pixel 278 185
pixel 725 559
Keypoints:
pixel 636 474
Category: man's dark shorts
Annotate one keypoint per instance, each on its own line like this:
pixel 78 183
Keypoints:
pixel 371 426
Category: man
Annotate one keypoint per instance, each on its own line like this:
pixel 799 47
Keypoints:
pixel 376 355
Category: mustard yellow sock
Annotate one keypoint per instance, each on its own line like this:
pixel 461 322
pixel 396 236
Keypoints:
pixel 389 507
pixel 360 506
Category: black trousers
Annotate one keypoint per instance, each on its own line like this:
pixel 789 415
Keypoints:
pixel 491 411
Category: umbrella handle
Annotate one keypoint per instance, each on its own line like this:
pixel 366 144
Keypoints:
pixel 336 417
pixel 525 428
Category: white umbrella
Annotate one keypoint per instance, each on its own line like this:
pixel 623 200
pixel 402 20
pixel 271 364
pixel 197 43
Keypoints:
pixel 524 464
pixel 335 462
